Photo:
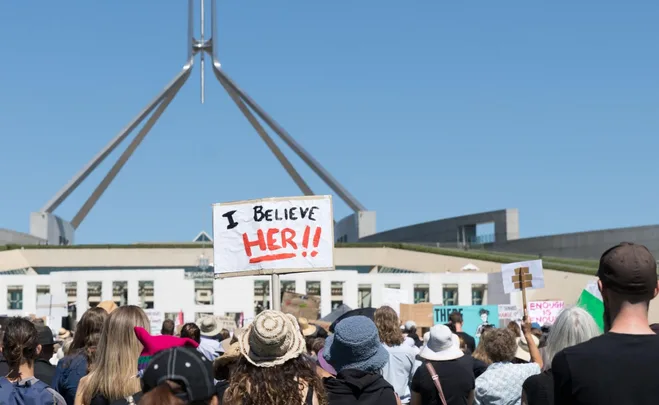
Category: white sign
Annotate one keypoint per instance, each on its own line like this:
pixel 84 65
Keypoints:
pixel 393 297
pixel 510 312
pixel 275 235
pixel 52 305
pixel 545 312
pixel 155 318
pixel 536 276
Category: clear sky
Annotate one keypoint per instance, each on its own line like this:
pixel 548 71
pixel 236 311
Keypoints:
pixel 422 109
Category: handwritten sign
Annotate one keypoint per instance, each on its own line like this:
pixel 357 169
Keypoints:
pixel 393 297
pixel 545 312
pixel 510 313
pixel 527 273
pixel 155 320
pixel 275 235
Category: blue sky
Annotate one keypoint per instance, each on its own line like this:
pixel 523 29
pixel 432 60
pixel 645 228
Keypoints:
pixel 423 110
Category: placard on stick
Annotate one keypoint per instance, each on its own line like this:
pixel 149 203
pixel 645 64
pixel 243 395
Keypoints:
pixel 522 276
pixel 273 236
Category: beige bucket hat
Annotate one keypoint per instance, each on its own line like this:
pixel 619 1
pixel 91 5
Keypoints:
pixel 272 339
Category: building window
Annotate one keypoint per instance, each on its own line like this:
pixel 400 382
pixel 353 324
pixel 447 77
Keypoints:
pixel 450 294
pixel 337 294
pixel 421 293
pixel 394 286
pixel 71 289
pixel 288 286
pixel 146 293
pixel 94 293
pixel 43 290
pixel 364 295
pixel 261 295
pixel 200 315
pixel 120 293
pixel 15 297
pixel 478 294
pixel 313 288
pixel 172 316
pixel 203 292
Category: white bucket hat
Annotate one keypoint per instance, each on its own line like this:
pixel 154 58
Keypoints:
pixel 208 326
pixel 523 348
pixel 442 345
pixel 272 339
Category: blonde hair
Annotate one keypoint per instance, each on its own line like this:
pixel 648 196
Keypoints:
pixel 114 374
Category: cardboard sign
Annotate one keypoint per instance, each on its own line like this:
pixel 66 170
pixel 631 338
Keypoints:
pixel 529 274
pixel 420 314
pixel 394 297
pixel 275 235
pixel 475 317
pixel 227 322
pixel 155 319
pixel 301 306
pixel 545 312
pixel 510 313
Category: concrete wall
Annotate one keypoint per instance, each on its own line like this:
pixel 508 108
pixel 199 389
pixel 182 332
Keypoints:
pixel 449 230
pixel 582 245
pixel 8 237
pixel 355 226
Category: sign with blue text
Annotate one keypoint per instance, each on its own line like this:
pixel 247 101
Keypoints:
pixel 475 317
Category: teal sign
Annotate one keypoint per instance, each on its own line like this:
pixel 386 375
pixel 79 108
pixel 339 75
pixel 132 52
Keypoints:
pixel 475 317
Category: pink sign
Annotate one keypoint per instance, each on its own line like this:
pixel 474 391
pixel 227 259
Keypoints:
pixel 545 312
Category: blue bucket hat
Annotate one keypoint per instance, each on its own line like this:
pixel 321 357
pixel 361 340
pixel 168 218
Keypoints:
pixel 355 345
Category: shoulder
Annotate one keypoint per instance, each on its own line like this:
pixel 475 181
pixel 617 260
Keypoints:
pixel 529 368
pixel 57 398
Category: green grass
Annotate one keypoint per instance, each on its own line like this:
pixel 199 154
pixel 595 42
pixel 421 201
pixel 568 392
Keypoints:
pixel 555 263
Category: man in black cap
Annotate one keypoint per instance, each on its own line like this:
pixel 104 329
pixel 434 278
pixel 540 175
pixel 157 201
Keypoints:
pixel 618 367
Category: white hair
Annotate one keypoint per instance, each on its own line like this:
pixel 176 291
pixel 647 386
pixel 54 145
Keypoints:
pixel 573 326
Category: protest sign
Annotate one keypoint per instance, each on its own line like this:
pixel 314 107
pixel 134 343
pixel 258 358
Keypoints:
pixel 421 314
pixel 393 297
pixel 298 305
pixel 155 319
pixel 508 313
pixel 273 236
pixel 475 317
pixel 545 312
pixel 531 276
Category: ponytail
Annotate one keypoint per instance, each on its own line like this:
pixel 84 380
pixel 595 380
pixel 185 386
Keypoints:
pixel 161 395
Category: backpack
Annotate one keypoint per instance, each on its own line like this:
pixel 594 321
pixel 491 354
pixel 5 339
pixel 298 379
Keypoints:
pixel 33 392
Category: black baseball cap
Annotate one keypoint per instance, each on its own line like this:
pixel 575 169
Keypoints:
pixel 45 335
pixel 628 269
pixel 184 366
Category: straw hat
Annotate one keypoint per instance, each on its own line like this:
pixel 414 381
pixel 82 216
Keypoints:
pixel 108 306
pixel 208 326
pixel 272 339
pixel 442 345
pixel 523 348
pixel 307 329
pixel 231 355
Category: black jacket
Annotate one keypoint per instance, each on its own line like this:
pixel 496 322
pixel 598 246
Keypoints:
pixel 43 370
pixel 355 387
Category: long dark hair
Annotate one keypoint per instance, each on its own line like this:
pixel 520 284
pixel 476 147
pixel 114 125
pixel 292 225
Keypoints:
pixel 87 335
pixel 19 344
pixel 281 385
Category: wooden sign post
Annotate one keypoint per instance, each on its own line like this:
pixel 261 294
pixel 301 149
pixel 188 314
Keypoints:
pixel 523 279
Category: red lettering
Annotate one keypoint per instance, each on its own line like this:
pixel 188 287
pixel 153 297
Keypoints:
pixel 287 235
pixel 272 243
pixel 260 242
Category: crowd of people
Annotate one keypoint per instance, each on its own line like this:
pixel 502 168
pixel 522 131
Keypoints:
pixel 364 358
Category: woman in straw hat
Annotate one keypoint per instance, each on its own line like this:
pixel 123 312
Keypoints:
pixel 272 370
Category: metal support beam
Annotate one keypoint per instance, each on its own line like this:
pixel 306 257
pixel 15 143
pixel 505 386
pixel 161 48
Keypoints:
pixel 119 164
pixel 288 166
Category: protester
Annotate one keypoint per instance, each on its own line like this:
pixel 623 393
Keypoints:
pixel 400 368
pixel 443 358
pixel 410 332
pixel 115 372
pixel 523 353
pixel 178 376
pixel 619 366
pixel 210 331
pixel 223 367
pixel 358 356
pixel 168 327
pixel 502 382
pixel 191 331
pixel 271 370
pixel 572 326
pixel 514 328
pixel 20 345
pixel 480 353
pixel 224 334
pixel 458 322
pixel 108 306
pixel 82 354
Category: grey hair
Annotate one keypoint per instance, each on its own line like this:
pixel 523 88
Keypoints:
pixel 573 326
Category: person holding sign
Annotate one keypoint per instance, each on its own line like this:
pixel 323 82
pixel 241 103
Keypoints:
pixel 502 382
